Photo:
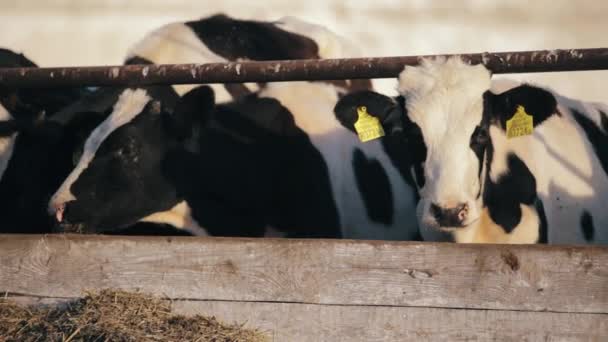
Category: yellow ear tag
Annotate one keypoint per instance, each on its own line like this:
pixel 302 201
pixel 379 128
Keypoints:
pixel 368 127
pixel 520 124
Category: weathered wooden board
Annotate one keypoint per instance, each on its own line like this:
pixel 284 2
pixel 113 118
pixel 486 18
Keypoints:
pixel 317 323
pixel 441 275
pixel 306 322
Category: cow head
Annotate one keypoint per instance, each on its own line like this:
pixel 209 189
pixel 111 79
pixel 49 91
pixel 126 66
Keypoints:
pixel 448 119
pixel 118 179
pixel 444 102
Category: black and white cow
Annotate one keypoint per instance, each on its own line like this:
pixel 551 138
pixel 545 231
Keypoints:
pixel 38 144
pixel 277 157
pixel 31 165
pixel 544 181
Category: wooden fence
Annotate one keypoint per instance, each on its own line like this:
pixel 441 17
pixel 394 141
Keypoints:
pixel 332 290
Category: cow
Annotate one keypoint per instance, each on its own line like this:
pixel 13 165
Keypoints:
pixel 30 150
pixel 217 38
pixel 38 145
pixel 273 157
pixel 525 165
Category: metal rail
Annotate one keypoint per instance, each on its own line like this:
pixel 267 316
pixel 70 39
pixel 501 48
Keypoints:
pixel 294 70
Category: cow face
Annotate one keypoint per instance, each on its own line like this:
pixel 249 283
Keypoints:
pixel 443 100
pixel 119 177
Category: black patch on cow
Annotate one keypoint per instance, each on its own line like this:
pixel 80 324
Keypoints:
pixel 11 59
pixel 36 168
pixel 137 60
pixel 257 168
pixel 538 102
pixel 36 100
pixel 383 107
pixel 234 39
pixel 149 229
pixel 100 100
pixel 587 227
pixel 597 136
pixel 375 188
pixel 9 127
pixel 504 197
pixel 236 90
pixel 543 234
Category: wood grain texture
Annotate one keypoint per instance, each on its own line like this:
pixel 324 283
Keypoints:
pixel 343 272
pixel 317 323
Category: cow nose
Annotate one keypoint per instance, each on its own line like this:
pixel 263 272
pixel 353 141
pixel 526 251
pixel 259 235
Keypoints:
pixel 57 210
pixel 450 217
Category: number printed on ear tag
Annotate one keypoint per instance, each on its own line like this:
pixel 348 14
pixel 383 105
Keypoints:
pixel 520 124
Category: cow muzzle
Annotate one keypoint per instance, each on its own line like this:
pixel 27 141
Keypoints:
pixel 57 211
pixel 452 217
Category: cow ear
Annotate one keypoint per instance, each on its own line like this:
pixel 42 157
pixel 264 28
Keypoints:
pixel 390 112
pixel 193 108
pixel 537 102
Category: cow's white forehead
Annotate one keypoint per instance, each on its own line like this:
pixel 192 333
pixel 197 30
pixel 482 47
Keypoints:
pixel 330 44
pixel 444 94
pixel 130 104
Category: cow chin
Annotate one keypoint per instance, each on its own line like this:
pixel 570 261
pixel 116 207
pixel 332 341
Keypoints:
pixel 78 218
pixel 428 222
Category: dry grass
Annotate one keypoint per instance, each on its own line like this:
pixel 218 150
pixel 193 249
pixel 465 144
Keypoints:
pixel 114 316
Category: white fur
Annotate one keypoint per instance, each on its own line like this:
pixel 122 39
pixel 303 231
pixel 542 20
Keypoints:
pixel 129 105
pixel 180 217
pixel 7 144
pixel 444 99
pixel 312 107
pixel 330 44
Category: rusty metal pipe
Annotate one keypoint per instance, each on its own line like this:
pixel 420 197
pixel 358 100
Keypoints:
pixel 293 70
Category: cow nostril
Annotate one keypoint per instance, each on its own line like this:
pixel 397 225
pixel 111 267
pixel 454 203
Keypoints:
pixel 450 217
pixel 462 212
pixel 57 211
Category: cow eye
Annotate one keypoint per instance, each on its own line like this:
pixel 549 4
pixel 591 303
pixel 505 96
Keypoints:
pixel 480 136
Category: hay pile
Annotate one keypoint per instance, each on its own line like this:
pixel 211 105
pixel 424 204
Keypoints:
pixel 114 316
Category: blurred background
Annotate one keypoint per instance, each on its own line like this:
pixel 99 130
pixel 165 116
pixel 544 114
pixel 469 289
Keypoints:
pixel 99 32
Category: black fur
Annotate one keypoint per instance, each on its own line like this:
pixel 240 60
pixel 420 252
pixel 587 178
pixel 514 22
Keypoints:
pixel 277 177
pixel 587 227
pixel 504 197
pixel 137 60
pixel 256 40
pixel 538 102
pixel 597 137
pixel 543 234
pixel 375 188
